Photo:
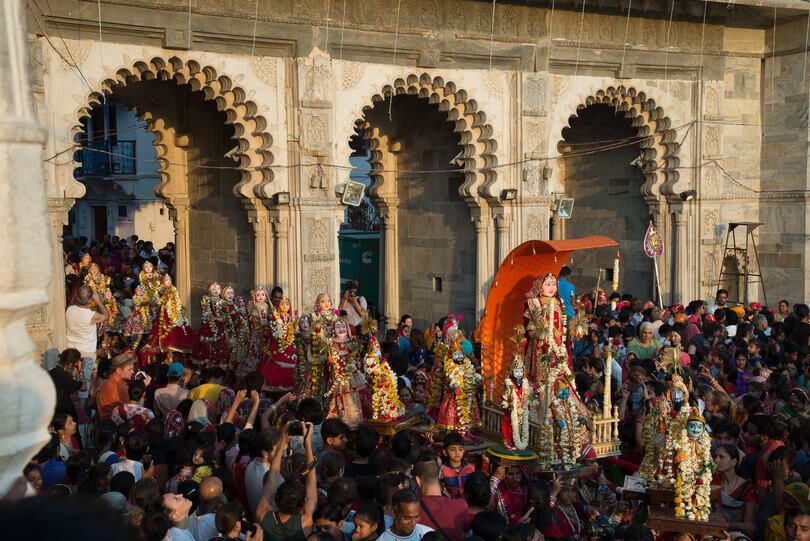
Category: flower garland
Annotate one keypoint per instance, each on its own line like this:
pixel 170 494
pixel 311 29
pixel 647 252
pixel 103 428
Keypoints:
pixel 462 377
pixel 519 410
pixel 653 432
pixel 141 306
pixel 150 284
pixel 112 309
pixel 340 364
pixel 694 468
pixel 283 332
pixel 172 309
pixel 209 317
pixel 385 400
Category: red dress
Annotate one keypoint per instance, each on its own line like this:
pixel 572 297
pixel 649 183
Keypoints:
pixel 211 347
pixel 170 330
pixel 278 363
pixel 258 322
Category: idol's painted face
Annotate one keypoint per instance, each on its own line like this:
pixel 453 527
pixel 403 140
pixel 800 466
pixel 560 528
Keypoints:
pixel 549 288
pixel 303 324
pixel 138 290
pixel 325 303
pixel 94 269
pixel 694 429
pixel 677 395
pixel 563 393
pixel 458 356
pixel 284 306
pixel 108 294
pixel 261 296
pixel 147 267
pixel 215 290
pixel 518 372
pixel 229 295
pixel 341 329
pixel 86 259
pixel 167 280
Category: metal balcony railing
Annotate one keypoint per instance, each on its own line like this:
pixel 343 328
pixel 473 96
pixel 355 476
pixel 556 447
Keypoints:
pixel 106 158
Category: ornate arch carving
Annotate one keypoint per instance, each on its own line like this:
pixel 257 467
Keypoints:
pixel 659 154
pixel 253 153
pixel 478 146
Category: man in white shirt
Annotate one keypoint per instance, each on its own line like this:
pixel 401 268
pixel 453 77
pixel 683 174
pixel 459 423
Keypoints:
pixel 719 301
pixel 201 523
pixel 81 324
pixel 136 446
pixel 405 508
pixel 353 304
pixel 259 466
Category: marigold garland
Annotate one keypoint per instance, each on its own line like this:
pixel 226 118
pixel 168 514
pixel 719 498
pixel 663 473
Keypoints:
pixel 385 400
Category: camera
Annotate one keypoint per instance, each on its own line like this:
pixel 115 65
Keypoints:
pixel 603 528
pixel 248 528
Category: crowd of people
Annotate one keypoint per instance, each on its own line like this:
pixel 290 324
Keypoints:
pixel 164 446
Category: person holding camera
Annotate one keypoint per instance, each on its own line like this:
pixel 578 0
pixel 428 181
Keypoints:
pixel 230 522
pixel 295 500
pixel 115 390
pixel 68 378
pixel 353 305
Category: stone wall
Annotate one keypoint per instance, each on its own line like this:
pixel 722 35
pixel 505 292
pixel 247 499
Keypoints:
pixel 784 165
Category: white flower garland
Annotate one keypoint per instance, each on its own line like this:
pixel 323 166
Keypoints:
pixel 520 410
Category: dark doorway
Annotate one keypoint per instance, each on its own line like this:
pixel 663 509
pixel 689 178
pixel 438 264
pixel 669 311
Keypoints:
pixel 605 184
pixel 99 221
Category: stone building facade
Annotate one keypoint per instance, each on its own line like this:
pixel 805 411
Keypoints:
pixel 249 99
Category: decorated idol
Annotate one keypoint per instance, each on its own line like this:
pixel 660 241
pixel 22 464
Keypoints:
pixel 279 360
pixel 258 313
pixel 234 317
pixel 346 395
pixel 170 330
pixel 150 283
pixel 140 320
pixel 689 462
pixel 97 281
pixel 307 375
pixel 518 398
pixel 385 401
pixel 452 389
pixel 563 418
pixel 114 313
pixel 211 349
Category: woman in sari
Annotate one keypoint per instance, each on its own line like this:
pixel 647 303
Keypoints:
pixel 738 498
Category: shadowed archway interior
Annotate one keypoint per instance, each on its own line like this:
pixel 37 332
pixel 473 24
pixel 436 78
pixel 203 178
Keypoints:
pixel 606 187
pixel 435 240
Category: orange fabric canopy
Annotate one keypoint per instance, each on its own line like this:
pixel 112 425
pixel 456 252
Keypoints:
pixel 504 308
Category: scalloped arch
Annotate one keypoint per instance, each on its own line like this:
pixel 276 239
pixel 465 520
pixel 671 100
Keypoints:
pixel 253 152
pixel 478 146
pixel 659 153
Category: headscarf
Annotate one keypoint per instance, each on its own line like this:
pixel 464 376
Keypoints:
pixel 224 402
pixel 200 412
pixel 174 424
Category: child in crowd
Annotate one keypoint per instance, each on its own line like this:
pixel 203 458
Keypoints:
pixel 454 469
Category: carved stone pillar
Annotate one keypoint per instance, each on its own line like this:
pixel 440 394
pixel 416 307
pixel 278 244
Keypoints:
pixel 48 331
pixel 262 257
pixel 502 225
pixel 27 395
pixel 281 230
pixel 681 275
pixel 390 258
pixel 178 212
pixel 482 254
